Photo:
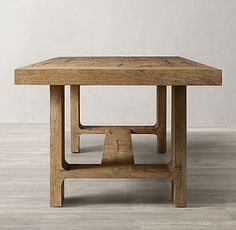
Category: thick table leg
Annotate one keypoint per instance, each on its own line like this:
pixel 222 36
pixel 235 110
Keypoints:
pixel 161 119
pixel 57 153
pixel 178 136
pixel 75 117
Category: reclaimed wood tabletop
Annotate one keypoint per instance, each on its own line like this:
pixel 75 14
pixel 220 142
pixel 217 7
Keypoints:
pixel 118 71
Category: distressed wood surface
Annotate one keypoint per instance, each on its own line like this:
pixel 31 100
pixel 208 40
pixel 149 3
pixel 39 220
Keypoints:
pixel 178 161
pixel 118 71
pixel 118 147
pixel 75 117
pixel 161 118
pixel 57 145
pixel 138 171
pixel 90 129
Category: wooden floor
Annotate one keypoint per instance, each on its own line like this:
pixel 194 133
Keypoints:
pixel 117 203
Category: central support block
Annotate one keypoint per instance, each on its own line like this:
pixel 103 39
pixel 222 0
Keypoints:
pixel 118 147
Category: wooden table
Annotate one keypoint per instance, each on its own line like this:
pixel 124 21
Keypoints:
pixel 118 161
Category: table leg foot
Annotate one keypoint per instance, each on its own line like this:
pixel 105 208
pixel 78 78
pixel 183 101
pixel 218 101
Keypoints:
pixel 161 144
pixel 56 193
pixel 178 191
pixel 75 144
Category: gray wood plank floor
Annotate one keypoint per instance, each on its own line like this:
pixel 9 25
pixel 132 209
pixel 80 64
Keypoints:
pixel 120 203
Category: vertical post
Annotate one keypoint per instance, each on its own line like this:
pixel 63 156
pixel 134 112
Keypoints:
pixel 75 117
pixel 178 138
pixel 161 118
pixel 57 145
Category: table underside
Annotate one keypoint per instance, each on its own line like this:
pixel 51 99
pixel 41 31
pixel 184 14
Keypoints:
pixel 118 160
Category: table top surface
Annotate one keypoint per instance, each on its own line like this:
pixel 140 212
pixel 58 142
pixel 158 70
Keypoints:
pixel 118 71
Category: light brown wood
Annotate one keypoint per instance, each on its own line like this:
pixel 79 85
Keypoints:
pixel 118 147
pixel 57 154
pixel 139 171
pixel 161 119
pixel 75 117
pixel 87 129
pixel 178 163
pixel 118 71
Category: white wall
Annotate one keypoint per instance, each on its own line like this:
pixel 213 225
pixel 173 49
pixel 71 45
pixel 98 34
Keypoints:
pixel 32 30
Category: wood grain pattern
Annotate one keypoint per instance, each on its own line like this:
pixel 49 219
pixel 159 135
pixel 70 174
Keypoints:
pixel 141 171
pixel 118 71
pixel 161 119
pixel 57 148
pixel 118 147
pixel 75 117
pixel 178 163
pixel 90 129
